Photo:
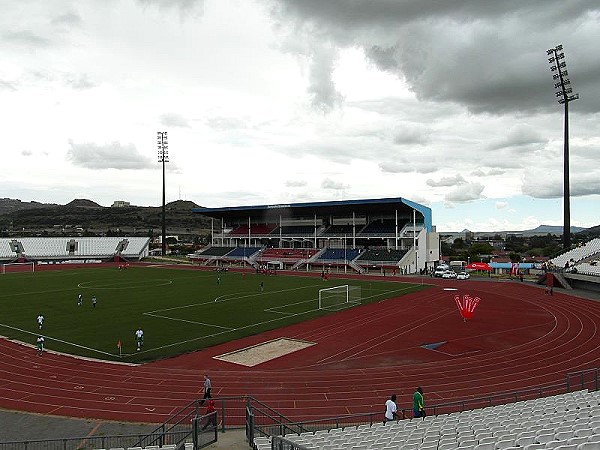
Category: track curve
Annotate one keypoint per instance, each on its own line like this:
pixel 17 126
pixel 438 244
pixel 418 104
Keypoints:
pixel 518 338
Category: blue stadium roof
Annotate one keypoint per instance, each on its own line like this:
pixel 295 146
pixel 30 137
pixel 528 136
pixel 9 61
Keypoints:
pixel 271 213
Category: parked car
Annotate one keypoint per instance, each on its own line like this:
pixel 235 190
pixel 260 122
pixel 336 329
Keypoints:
pixel 463 276
pixel 449 274
pixel 439 271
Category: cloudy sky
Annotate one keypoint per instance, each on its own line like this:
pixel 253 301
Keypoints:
pixel 447 103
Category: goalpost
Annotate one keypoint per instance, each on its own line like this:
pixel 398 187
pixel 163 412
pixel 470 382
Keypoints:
pixel 339 297
pixel 18 267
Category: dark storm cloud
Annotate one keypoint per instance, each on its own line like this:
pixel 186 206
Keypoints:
pixel 108 156
pixel 487 55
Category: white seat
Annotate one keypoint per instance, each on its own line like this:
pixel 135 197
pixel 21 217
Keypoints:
pixel 542 438
pixel 486 446
pixel 525 440
pixel 447 445
pixel 564 435
pixel 580 432
pixel 504 444
pixel 534 446
pixel 589 446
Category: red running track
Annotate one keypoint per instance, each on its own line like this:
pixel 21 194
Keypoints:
pixel 519 337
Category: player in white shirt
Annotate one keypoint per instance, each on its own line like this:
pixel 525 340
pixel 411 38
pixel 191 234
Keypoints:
pixel 40 345
pixel 40 320
pixel 139 337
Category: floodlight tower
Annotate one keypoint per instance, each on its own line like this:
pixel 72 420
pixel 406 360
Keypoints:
pixel 564 94
pixel 163 157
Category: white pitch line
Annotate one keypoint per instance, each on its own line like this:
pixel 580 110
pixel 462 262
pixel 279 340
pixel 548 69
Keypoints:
pixel 187 321
pixel 59 340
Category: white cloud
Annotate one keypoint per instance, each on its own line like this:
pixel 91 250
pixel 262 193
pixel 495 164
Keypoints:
pixel 174 120
pixel 465 192
pixel 328 183
pixel 107 156
pixel 295 183
pixel 447 181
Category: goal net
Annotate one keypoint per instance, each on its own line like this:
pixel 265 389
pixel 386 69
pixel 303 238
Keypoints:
pixel 339 297
pixel 18 267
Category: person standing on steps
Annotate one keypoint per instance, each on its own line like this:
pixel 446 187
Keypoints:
pixel 419 404
pixel 207 389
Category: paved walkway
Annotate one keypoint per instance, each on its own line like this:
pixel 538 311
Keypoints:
pixel 17 426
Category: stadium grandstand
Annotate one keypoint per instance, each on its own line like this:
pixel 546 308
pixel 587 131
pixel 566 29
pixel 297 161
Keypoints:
pixel 76 249
pixel 392 233
pixel 578 268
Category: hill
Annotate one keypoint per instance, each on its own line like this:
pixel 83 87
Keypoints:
pixel 86 217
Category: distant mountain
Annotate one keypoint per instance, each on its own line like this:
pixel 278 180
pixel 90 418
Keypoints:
pixel 550 229
pixel 541 230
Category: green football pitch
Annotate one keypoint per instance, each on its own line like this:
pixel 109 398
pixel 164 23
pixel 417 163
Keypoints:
pixel 178 310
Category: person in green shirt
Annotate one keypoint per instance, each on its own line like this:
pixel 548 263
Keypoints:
pixel 418 403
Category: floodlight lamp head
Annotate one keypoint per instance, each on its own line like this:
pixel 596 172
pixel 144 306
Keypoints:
pixel 559 94
pixel 549 52
pixel 560 56
pixel 557 85
pixel 555 76
pixel 551 60
pixel 559 47
pixel 553 68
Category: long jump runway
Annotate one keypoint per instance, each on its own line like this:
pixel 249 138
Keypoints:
pixel 518 338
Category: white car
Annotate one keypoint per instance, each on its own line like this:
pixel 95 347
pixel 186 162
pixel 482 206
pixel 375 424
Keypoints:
pixel 449 274
pixel 463 276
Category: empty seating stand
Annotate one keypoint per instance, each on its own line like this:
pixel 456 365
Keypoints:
pixel 567 421
pixel 64 248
